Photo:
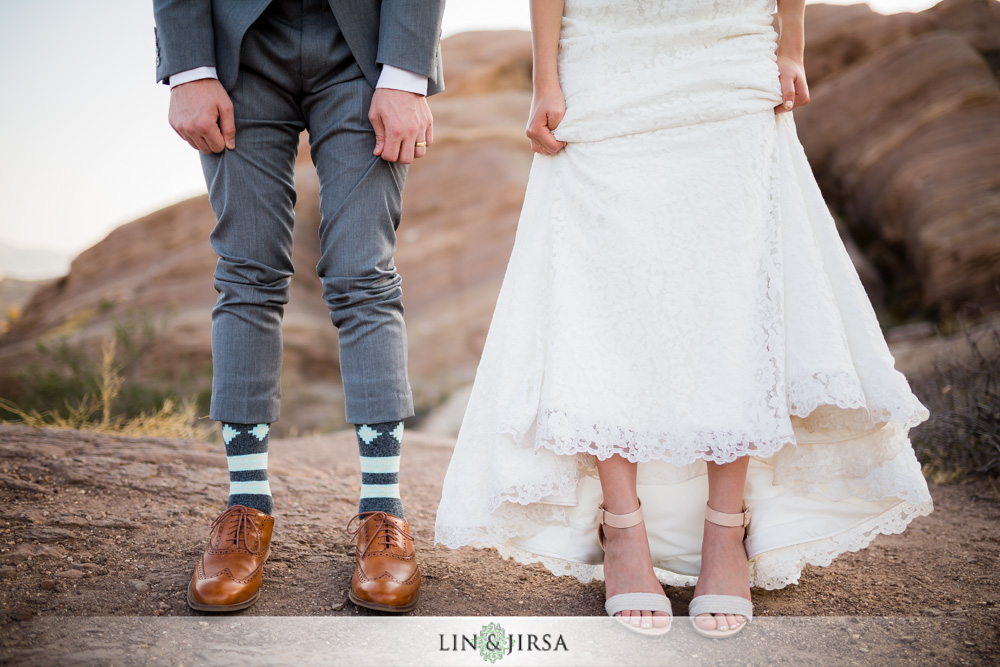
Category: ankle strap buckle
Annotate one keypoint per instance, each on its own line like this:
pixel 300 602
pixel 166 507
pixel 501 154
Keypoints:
pixel 633 518
pixel 730 520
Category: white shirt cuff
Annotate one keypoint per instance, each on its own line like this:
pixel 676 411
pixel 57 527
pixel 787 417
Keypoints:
pixel 193 75
pixel 401 79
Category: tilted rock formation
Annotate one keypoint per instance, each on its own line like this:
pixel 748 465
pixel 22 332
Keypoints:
pixel 903 133
pixel 461 207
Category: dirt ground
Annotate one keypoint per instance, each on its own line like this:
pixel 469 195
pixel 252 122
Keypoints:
pixel 93 525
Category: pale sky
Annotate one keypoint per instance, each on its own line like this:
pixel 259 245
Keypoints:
pixel 84 140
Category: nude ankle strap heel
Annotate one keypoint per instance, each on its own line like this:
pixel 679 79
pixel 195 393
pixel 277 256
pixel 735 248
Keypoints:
pixel 723 604
pixel 617 520
pixel 627 601
pixel 741 519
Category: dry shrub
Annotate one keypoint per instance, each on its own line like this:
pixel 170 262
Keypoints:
pixel 962 438
pixel 95 410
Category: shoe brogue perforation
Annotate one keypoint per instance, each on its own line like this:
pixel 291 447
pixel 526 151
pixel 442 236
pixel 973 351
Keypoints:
pixel 384 554
pixel 239 544
pixel 226 572
pixel 384 545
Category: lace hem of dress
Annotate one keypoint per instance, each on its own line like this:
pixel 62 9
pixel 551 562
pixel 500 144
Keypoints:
pixel 779 568
pixel 602 441
pixel 556 431
pixel 508 522
pixel 769 571
pixel 559 483
pixel 836 401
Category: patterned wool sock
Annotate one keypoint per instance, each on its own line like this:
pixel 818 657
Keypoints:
pixel 246 452
pixel 379 445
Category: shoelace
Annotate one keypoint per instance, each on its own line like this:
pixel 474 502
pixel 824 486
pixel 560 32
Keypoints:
pixel 386 531
pixel 242 525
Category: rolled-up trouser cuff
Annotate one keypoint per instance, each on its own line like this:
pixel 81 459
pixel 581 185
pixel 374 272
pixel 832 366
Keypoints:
pixel 242 411
pixel 388 408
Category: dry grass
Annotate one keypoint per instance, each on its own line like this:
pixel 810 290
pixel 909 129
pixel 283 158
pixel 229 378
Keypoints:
pixel 95 411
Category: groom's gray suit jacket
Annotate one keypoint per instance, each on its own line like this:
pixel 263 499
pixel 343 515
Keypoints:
pixel 208 33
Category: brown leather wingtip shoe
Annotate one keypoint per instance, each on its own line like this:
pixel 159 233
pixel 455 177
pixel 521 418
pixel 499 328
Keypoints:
pixel 230 571
pixel 386 576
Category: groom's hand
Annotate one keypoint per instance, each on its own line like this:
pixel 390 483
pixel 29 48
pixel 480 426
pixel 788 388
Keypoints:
pixel 401 120
pixel 202 114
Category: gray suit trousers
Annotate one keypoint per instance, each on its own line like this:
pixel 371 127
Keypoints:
pixel 297 73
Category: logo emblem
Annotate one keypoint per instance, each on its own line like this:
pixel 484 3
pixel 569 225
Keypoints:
pixel 492 642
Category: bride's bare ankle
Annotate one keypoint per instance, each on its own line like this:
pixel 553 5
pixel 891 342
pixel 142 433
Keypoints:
pixel 715 531
pixel 624 505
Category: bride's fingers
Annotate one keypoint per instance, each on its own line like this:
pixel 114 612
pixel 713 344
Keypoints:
pixel 801 92
pixel 548 141
pixel 787 92
pixel 553 118
pixel 538 147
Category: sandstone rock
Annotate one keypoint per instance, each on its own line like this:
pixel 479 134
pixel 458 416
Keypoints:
pixel 903 134
pixel 22 614
pixel 19 484
pixel 916 355
pixel 48 534
pixel 25 516
pixel 116 523
pixel 14 294
pixel 70 520
pixel 487 62
pixel 70 574
pixel 461 208
pixel 25 551
pixel 906 144
pixel 446 419
pixel 839 36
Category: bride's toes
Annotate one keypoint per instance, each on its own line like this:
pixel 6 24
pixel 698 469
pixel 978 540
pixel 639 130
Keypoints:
pixel 720 622
pixel 645 619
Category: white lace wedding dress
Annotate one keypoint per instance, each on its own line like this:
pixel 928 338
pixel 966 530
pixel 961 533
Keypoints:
pixel 678 293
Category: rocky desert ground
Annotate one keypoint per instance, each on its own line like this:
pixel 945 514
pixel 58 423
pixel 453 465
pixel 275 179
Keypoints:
pixel 94 525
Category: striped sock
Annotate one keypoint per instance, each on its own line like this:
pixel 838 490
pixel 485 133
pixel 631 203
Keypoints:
pixel 379 445
pixel 246 453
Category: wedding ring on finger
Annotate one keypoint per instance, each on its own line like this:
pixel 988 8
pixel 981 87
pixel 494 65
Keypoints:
pixel 421 144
